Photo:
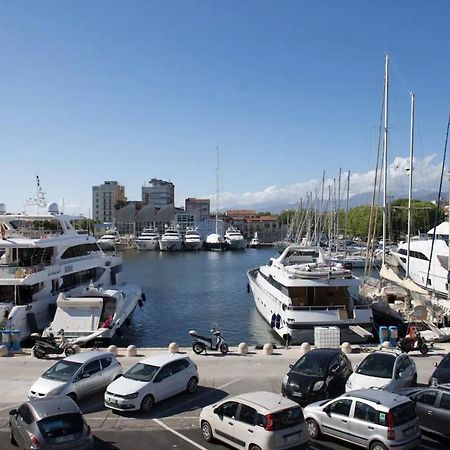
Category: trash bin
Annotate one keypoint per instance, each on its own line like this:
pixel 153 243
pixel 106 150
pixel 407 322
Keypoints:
pixel 393 336
pixel 6 338
pixel 383 332
pixel 15 341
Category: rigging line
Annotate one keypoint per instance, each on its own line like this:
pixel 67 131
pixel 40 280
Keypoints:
pixel 439 198
pixel 401 77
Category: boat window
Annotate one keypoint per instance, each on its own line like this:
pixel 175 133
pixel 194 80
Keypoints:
pixel 21 295
pixel 80 250
pixel 84 276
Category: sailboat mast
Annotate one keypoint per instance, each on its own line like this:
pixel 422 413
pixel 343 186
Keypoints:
pixel 411 153
pixel 385 150
pixel 346 211
pixel 217 187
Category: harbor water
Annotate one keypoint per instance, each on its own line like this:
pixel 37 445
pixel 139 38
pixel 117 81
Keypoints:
pixel 195 290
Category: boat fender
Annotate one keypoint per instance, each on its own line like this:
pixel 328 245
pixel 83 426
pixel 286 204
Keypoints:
pixel 248 288
pixel 143 297
pixel 272 320
pixel 140 303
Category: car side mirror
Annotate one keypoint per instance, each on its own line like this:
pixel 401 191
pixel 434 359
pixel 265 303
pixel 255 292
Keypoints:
pixel 435 364
pixel 291 366
pixel 334 368
pixel 86 375
pixel 13 412
pixel 327 411
pixel 217 411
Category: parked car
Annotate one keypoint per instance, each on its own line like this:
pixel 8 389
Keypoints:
pixel 151 380
pixel 441 374
pixel 256 421
pixel 387 369
pixel 432 408
pixel 77 376
pixel 317 375
pixel 371 418
pixel 52 422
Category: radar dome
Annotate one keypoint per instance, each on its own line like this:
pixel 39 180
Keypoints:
pixel 2 208
pixel 53 209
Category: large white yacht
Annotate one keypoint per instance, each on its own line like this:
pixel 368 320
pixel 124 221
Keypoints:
pixel 234 239
pixel 170 241
pixel 214 242
pixel 41 256
pixel 419 260
pixel 110 240
pixel 298 291
pixel 148 240
pixel 192 240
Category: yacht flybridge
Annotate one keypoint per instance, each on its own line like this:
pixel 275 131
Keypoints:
pixel 41 256
pixel 298 291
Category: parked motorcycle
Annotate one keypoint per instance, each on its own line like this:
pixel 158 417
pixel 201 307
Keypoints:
pixel 51 345
pixel 414 342
pixel 202 344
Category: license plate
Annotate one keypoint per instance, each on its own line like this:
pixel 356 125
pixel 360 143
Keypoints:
pixel 292 437
pixel 408 430
pixel 298 394
pixel 67 438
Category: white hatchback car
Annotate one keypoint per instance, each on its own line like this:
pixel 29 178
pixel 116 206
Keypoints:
pixel 151 380
pixel 77 376
pixel 255 421
pixel 387 369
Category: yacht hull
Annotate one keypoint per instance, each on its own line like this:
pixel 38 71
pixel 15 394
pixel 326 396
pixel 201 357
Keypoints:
pixel 235 244
pixel 147 245
pixel 169 246
pixel 193 246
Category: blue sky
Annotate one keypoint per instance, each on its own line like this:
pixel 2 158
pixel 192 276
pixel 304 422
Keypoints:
pixel 94 90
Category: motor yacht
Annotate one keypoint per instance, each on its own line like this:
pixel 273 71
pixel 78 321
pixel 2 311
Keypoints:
pixel 192 240
pixel 215 242
pixel 110 240
pixel 254 243
pixel 96 313
pixel 170 241
pixel 41 256
pixel 299 291
pixel 234 239
pixel 148 240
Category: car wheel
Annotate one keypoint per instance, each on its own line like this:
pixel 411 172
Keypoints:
pixel 207 431
pixel 254 447
pixel 313 428
pixel 377 446
pixel 12 438
pixel 192 385
pixel 73 396
pixel 147 404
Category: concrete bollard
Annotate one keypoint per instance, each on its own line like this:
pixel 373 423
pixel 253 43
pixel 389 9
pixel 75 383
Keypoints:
pixel 76 348
pixel 305 348
pixel 243 348
pixel 113 349
pixel 268 349
pixel 131 350
pixel 346 347
pixel 3 351
pixel 386 345
pixel 173 347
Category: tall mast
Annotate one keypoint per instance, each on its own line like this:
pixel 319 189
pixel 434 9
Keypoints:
pixel 385 150
pixel 217 186
pixel 411 153
pixel 346 211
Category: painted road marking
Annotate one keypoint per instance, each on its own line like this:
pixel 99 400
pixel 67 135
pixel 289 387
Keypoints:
pixel 176 433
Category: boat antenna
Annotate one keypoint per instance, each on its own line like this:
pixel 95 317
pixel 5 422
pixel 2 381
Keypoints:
pixel 39 201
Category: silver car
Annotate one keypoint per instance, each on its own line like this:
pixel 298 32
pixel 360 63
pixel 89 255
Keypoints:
pixel 77 376
pixel 53 423
pixel 372 418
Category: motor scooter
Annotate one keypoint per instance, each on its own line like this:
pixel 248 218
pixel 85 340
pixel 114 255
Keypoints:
pixel 414 342
pixel 51 345
pixel 202 344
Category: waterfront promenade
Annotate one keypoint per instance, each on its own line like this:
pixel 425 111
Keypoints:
pixel 174 422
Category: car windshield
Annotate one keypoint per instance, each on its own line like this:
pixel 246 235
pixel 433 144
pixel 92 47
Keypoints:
pixel 312 364
pixel 377 365
pixel 141 372
pixel 62 425
pixel 62 371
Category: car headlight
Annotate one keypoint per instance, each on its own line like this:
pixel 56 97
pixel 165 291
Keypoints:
pixel 318 385
pixel 131 396
pixel 285 380
pixel 434 381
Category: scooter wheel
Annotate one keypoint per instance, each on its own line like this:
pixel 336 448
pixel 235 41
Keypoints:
pixel 424 349
pixel 69 351
pixel 198 348
pixel 37 352
pixel 223 349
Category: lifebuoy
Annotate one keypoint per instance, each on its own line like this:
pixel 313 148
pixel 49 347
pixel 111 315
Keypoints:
pixel 31 270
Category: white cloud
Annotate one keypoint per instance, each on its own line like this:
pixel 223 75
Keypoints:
pixel 425 179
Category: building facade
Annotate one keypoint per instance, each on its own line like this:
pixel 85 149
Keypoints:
pixel 158 193
pixel 200 207
pixel 104 200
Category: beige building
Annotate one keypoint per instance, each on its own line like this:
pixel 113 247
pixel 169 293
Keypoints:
pixel 104 200
pixel 200 207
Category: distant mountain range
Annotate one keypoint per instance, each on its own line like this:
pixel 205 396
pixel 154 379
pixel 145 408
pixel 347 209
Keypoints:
pixel 356 200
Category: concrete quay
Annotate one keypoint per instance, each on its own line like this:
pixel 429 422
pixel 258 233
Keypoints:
pixel 174 422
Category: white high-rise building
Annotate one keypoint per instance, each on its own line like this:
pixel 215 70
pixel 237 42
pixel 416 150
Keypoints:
pixel 104 198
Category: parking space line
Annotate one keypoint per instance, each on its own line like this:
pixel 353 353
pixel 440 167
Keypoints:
pixel 176 433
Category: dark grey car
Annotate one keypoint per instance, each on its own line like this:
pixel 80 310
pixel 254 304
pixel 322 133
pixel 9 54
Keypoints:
pixel 53 423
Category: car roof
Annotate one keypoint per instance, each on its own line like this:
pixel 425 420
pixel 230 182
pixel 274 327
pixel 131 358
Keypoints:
pixel 379 396
pixel 160 359
pixel 52 406
pixel 395 353
pixel 84 357
pixel 268 401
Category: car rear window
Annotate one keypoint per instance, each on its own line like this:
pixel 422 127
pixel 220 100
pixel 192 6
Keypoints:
pixel 62 425
pixel 287 418
pixel 403 413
